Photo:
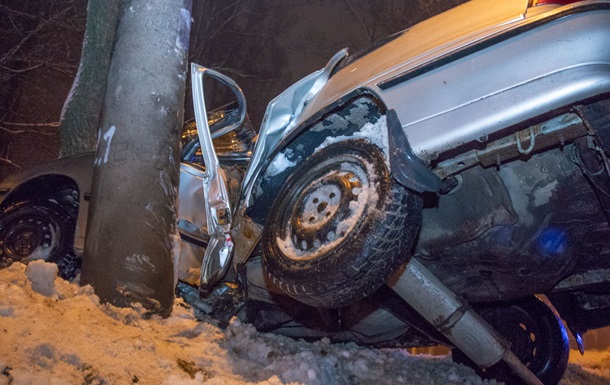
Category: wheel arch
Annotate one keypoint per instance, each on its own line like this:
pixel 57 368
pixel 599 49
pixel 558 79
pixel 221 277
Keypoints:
pixel 63 189
pixel 340 119
pixel 75 171
pixel 39 188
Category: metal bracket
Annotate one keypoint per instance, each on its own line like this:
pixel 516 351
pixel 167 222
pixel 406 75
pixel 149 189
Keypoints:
pixel 407 168
pixel 532 137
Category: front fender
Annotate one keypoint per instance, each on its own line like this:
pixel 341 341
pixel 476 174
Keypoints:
pixel 346 120
pixel 281 117
pixel 77 169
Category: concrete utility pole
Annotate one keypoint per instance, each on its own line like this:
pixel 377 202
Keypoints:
pixel 132 224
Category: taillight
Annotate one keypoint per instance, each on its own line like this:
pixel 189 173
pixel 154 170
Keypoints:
pixel 559 2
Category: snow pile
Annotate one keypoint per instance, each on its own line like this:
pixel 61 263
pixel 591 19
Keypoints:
pixel 376 133
pixel 54 332
pixel 281 163
pixel 591 369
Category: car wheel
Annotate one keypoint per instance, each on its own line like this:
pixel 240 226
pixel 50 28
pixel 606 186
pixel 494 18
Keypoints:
pixel 340 226
pixel 35 230
pixel 538 337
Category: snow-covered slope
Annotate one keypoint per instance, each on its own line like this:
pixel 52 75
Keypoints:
pixel 55 332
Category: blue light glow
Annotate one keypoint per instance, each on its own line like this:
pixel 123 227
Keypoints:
pixel 552 241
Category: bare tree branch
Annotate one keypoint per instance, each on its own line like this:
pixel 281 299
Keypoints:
pixel 65 69
pixel 11 53
pixel 37 132
pixel 364 26
pixel 29 128
pixel 15 12
pixel 21 70
pixel 8 161
pixel 242 74
pixel 50 124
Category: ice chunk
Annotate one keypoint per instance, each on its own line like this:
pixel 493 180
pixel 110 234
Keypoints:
pixel 42 276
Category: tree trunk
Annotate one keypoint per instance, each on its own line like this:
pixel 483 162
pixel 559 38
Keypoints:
pixel 80 117
pixel 132 222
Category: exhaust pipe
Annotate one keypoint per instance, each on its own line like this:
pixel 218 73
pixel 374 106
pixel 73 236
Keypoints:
pixel 452 316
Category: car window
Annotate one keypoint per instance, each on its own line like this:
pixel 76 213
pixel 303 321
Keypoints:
pixel 197 155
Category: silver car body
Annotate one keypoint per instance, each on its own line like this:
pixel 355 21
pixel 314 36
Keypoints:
pixel 481 67
pixel 464 68
pixel 456 78
pixel 452 79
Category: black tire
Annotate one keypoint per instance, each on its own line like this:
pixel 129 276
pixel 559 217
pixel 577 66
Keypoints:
pixel 340 226
pixel 538 336
pixel 35 230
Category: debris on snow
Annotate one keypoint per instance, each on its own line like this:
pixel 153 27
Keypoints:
pixel 65 336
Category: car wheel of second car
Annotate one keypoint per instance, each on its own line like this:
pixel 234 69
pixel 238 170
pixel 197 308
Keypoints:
pixel 35 230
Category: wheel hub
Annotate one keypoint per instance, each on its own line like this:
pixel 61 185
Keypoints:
pixel 25 237
pixel 327 209
pixel 24 243
pixel 523 333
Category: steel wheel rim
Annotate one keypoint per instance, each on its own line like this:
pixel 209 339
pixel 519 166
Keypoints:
pixel 522 330
pixel 324 207
pixel 27 235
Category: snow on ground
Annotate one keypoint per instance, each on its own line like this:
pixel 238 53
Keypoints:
pixel 54 332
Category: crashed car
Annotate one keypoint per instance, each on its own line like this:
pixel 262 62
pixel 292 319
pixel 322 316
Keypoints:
pixel 449 186
pixel 43 212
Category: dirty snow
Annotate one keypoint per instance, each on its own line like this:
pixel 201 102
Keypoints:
pixel 376 133
pixel 280 163
pixel 65 336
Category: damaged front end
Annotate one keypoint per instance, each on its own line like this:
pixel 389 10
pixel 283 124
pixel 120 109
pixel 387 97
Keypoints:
pixel 222 220
pixel 502 180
